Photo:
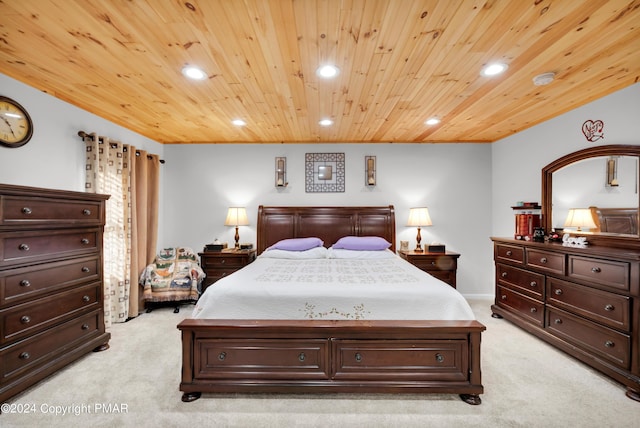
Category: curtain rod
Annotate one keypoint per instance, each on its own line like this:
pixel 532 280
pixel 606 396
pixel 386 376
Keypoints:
pixel 101 140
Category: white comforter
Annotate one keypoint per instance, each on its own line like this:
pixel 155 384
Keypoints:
pixel 352 289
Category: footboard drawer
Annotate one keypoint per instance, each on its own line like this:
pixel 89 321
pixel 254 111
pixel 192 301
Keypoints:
pixel 400 359
pixel 261 359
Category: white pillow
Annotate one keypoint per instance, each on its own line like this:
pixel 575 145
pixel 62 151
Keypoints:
pixel 339 253
pixel 313 253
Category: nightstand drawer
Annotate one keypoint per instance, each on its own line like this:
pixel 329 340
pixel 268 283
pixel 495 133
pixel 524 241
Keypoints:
pixel 221 262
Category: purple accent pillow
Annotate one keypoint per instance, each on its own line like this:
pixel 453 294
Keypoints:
pixel 297 244
pixel 362 243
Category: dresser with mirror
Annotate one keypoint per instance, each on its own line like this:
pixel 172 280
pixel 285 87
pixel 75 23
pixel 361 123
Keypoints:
pixel 583 299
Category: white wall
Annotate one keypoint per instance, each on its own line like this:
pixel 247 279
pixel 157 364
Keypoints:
pixel 518 160
pixel 453 180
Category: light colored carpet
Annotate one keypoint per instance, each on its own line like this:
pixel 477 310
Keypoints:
pixel 527 384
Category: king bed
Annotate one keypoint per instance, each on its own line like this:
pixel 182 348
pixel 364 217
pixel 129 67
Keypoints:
pixel 339 316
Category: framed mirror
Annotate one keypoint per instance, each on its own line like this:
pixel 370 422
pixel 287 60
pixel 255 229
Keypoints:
pixel 604 180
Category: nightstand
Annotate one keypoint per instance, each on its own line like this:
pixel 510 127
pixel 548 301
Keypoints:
pixel 218 264
pixel 441 265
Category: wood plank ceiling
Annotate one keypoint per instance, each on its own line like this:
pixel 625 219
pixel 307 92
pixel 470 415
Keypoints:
pixel 401 62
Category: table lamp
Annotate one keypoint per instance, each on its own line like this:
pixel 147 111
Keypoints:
pixel 419 217
pixel 237 216
pixel 579 218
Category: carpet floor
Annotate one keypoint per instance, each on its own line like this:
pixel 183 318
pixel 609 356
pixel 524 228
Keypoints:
pixel 135 384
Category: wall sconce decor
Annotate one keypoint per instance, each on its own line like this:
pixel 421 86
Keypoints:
pixel 237 216
pixel 579 218
pixel 281 172
pixel 419 217
pixel 370 168
pixel 324 172
pixel 612 172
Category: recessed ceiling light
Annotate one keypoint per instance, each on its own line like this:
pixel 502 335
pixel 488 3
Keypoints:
pixel 193 73
pixel 326 122
pixel 544 78
pixel 238 122
pixel 328 71
pixel 494 69
pixel 432 121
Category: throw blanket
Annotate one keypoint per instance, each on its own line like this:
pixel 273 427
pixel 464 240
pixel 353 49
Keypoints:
pixel 173 276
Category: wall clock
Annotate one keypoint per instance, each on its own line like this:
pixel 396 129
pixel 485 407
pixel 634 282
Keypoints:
pixel 16 127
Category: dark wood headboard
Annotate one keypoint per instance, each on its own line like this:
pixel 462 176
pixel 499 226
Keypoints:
pixel 326 223
pixel 616 220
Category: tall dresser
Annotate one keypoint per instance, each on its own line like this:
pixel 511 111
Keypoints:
pixel 51 291
pixel 584 301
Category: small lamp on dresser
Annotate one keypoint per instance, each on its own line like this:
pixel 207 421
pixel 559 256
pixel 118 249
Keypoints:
pixel 419 217
pixel 237 216
pixel 579 218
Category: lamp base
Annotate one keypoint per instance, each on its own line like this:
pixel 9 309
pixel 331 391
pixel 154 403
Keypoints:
pixel 418 249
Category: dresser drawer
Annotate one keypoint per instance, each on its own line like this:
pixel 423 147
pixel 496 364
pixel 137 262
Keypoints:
pixel 606 308
pixel 526 282
pixel 593 338
pixel 400 359
pixel 435 263
pixel 30 282
pixel 509 253
pixel 24 319
pixel 611 273
pixel 25 355
pixel 545 260
pixel 268 359
pixel 23 247
pixel 30 211
pixel 530 309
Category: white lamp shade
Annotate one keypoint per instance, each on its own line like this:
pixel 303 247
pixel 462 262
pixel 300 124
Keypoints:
pixel 419 217
pixel 580 218
pixel 236 216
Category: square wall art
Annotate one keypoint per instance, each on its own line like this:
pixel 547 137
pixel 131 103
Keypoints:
pixel 324 172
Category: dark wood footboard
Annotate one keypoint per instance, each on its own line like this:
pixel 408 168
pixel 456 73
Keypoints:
pixel 297 356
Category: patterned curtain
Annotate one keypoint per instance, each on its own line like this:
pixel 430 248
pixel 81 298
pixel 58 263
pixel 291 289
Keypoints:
pixel 120 171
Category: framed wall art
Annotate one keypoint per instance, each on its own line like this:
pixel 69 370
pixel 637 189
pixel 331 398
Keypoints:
pixel 324 172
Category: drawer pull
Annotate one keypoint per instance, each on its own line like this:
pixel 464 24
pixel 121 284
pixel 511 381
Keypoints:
pixel 558 321
pixel 23 247
pixel 609 307
pixel 222 261
pixel 85 269
pixel 433 263
pixel 534 310
pixel 86 212
pixel 358 357
pixel 301 357
pixel 85 326
pixel 86 298
pixel 558 292
pixel 26 211
pixel 25 319
pixel 222 356
pixel 509 252
pixel 596 269
pixel 503 297
pixel 439 358
pixel 25 283
pixel 609 344
pixel 543 260
pixel 84 241
pixel 533 284
pixel 504 274
pixel 24 356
